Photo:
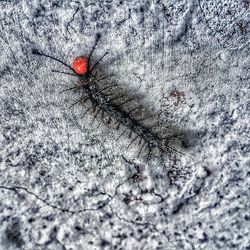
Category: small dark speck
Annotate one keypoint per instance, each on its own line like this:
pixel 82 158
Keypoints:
pixel 142 9
pixel 30 220
pixel 42 172
pixel 13 233
pixel 49 218
pixel 248 106
pixel 204 238
pixel 79 229
pixel 55 5
pixel 98 35
pixel 239 237
pixel 222 238
pixel 104 243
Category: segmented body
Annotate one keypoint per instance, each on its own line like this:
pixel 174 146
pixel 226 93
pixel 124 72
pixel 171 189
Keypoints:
pixel 106 106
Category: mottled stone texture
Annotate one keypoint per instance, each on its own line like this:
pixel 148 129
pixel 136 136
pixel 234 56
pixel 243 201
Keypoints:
pixel 67 184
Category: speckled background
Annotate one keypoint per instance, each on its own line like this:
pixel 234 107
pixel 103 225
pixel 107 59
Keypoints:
pixel 67 184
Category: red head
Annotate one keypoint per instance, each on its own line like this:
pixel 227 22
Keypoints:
pixel 80 65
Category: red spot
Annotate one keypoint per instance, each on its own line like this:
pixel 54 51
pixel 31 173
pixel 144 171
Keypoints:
pixel 80 65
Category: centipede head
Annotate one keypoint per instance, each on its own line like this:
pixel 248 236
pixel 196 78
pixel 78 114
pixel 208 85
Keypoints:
pixel 80 65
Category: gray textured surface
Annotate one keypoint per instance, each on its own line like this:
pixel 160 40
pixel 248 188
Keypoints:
pixel 66 184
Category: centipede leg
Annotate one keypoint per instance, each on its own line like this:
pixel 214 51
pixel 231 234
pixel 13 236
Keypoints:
pixel 71 106
pixel 94 109
pixel 104 77
pixel 85 99
pixel 102 114
pixel 98 62
pixel 130 111
pixel 98 111
pixel 129 100
pixel 140 141
pixel 115 98
pixel 108 87
pixel 73 88
pixel 121 134
pixel 149 153
pixel 145 118
pixel 82 100
pixel 62 72
pixel 108 94
pixel 141 149
pixel 86 112
pixel 118 126
pixel 92 50
pixel 129 136
pixel 132 142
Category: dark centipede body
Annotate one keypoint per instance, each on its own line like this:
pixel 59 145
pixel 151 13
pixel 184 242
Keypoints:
pixel 99 100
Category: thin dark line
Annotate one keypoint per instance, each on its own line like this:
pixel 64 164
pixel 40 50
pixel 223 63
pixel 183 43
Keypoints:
pixel 36 52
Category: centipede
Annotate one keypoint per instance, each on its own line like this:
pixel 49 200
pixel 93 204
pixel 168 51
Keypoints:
pixel 103 103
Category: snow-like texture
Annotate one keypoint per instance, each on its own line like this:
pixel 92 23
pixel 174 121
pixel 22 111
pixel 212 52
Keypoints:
pixel 67 184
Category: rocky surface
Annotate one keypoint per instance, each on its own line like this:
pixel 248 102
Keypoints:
pixel 68 184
